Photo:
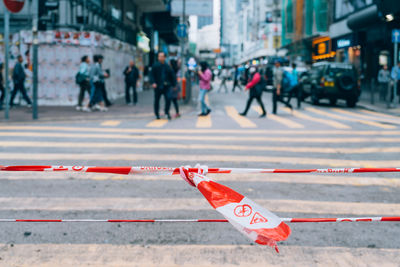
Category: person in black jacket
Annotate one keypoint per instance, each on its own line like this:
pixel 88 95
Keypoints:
pixel 19 80
pixel 131 77
pixel 162 79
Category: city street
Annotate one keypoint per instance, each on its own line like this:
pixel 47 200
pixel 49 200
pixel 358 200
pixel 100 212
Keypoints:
pixel 311 137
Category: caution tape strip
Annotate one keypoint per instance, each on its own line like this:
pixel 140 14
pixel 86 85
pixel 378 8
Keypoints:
pixel 289 220
pixel 148 170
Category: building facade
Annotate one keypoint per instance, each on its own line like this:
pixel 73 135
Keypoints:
pixel 305 29
pixel 251 29
pixel 361 33
pixel 118 29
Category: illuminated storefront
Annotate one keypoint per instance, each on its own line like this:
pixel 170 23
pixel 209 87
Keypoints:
pixel 322 49
pixel 348 50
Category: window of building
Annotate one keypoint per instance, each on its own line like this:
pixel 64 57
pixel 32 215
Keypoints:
pixel 345 7
pixel 204 21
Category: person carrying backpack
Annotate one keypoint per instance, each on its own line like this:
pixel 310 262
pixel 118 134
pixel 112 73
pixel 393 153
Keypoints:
pixel 283 84
pixel 255 86
pixel 82 78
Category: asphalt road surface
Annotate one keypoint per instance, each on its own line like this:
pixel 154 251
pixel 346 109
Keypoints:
pixel 312 137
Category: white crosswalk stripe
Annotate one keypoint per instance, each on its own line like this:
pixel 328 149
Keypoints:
pixel 250 142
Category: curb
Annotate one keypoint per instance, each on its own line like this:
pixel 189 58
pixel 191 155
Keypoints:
pixel 392 111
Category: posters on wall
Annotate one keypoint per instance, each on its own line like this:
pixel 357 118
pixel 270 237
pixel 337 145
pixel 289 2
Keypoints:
pixel 59 58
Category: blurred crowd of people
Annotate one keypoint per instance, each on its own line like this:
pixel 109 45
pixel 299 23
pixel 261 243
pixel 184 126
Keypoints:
pixel 164 78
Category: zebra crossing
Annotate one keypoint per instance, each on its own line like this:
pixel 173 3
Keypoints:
pixel 287 140
pixel 291 119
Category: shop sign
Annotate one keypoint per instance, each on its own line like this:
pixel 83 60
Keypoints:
pixel 343 43
pixel 143 42
pixel 322 48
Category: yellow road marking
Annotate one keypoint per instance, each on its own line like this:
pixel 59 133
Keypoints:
pixel 331 123
pixel 293 139
pixel 192 204
pixel 396 118
pixel 197 131
pixel 173 255
pixel 204 122
pixel 110 123
pixel 369 118
pixel 157 123
pixel 339 117
pixel 113 145
pixel 242 121
pixel 186 158
pixel 284 121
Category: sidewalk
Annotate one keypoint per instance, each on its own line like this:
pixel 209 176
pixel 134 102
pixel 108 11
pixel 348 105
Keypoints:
pixel 378 105
pixel 119 110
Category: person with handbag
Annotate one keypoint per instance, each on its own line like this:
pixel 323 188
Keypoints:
pixel 255 85
pixel 162 79
pixel 83 80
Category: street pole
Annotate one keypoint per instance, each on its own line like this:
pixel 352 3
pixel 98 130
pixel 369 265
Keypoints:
pixel 6 52
pixel 183 47
pixel 35 63
pixel 396 58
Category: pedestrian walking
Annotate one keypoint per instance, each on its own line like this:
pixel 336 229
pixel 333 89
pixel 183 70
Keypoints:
pixel 236 79
pixel 224 78
pixel 205 77
pixel 282 81
pixel 383 82
pixel 83 80
pixel 293 85
pixel 107 102
pixel 162 79
pixel 19 82
pixel 2 90
pixel 97 76
pixel 396 78
pixel 131 78
pixel 255 85
pixel 175 90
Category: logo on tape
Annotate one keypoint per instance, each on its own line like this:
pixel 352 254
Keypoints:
pixel 243 210
pixel 258 218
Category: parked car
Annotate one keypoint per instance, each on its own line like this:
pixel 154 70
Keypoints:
pixel 332 81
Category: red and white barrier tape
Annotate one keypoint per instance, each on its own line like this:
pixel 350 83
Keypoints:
pixel 254 221
pixel 289 220
pixel 174 171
